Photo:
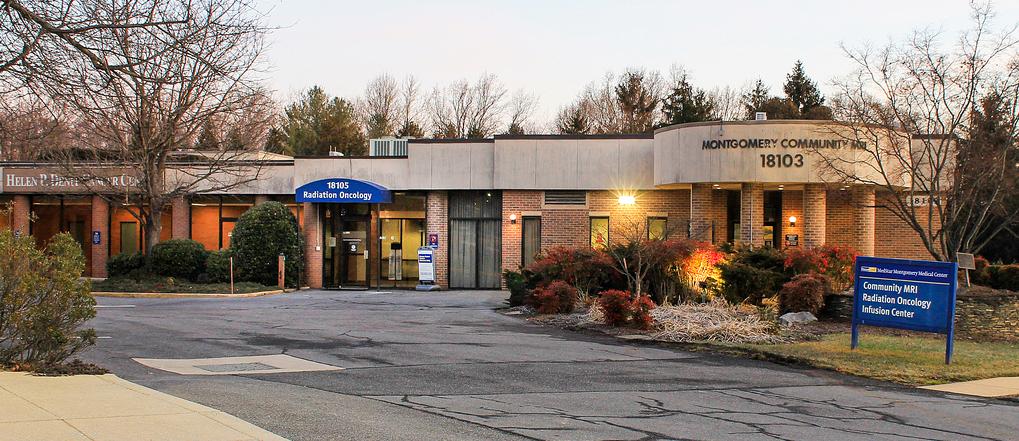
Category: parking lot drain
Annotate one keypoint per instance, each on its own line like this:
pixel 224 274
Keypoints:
pixel 257 364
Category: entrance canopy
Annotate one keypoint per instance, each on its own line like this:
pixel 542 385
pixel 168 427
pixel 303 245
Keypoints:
pixel 343 190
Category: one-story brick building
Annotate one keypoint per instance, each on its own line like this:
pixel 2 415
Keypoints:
pixel 486 205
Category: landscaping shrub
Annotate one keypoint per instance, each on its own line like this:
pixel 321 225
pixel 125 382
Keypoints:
pixel 651 266
pixel 1004 277
pixel 517 286
pixel 834 262
pixel 181 258
pixel 43 303
pixel 751 275
pixel 698 266
pixel 588 270
pixel 555 298
pixel 263 233
pixel 125 264
pixel 620 309
pixel 217 266
pixel 805 292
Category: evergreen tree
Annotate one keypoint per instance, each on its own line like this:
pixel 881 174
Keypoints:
pixel 755 99
pixel 637 100
pixel 803 93
pixel 208 138
pixel 572 120
pixel 686 104
pixel 317 124
pixel 276 140
pixel 410 129
pixel 515 129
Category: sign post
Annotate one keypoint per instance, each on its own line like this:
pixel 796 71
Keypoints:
pixel 916 295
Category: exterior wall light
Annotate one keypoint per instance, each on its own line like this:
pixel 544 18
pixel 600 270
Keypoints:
pixel 792 221
pixel 513 218
pixel 627 199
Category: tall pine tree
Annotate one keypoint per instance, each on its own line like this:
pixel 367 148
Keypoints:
pixel 754 100
pixel 317 124
pixel 804 95
pixel 686 104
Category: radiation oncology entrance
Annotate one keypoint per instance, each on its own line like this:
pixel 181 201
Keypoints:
pixel 345 218
pixel 345 257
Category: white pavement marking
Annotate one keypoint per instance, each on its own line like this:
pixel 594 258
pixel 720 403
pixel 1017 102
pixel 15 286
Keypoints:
pixel 114 306
pixel 258 364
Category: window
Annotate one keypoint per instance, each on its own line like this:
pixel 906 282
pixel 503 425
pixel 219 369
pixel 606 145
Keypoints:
pixel 566 197
pixel 657 228
pixel 531 242
pixel 599 232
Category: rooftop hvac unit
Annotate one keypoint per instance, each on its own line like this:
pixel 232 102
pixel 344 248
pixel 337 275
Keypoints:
pixel 387 147
pixel 335 153
pixel 760 116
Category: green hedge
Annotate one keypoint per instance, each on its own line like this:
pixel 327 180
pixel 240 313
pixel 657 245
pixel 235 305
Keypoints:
pixel 184 258
pixel 260 236
pixel 125 264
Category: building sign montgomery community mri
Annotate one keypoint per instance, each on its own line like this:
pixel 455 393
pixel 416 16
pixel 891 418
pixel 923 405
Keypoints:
pixel 917 295
pixel 343 190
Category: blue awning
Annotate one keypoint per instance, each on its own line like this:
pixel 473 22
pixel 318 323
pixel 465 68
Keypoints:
pixel 343 190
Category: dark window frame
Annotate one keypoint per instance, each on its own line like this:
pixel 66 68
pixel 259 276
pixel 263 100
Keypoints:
pixel 523 238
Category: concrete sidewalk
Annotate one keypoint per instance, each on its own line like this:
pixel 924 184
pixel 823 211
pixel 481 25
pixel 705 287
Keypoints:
pixel 988 388
pixel 106 407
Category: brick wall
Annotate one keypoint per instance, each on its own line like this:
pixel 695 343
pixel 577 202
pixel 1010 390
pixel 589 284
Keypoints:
pixel 863 219
pixel 437 221
pixel 703 212
pixel 312 246
pixel 720 216
pixel 570 226
pixel 814 218
pixel 101 223
pixel 752 214
pixel 181 221
pixel 792 205
pixel 895 238
pixel 20 215
pixel 839 218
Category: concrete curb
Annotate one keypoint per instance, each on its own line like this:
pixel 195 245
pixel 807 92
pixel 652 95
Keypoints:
pixel 187 295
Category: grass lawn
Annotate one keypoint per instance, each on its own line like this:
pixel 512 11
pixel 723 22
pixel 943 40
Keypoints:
pixel 164 284
pixel 912 360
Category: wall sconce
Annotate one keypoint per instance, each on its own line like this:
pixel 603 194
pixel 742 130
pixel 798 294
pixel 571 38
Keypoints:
pixel 792 221
pixel 627 199
pixel 513 218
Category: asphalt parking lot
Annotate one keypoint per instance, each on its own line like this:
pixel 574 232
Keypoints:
pixel 445 365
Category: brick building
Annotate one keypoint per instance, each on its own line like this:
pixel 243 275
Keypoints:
pixel 486 205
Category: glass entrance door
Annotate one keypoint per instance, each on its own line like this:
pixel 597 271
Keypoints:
pixel 345 258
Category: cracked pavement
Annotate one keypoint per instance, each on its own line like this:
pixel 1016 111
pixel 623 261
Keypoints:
pixel 446 366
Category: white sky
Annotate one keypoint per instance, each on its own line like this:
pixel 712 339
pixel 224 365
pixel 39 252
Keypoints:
pixel 555 48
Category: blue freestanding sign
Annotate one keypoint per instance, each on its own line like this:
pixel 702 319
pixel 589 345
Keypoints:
pixel 917 295
pixel 343 190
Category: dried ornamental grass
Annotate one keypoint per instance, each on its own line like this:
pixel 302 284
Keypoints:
pixel 716 321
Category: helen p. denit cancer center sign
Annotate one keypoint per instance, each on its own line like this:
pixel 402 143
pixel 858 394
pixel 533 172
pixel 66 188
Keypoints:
pixel 917 295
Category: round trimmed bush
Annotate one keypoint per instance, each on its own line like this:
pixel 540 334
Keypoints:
pixel 217 266
pixel 260 236
pixel 804 292
pixel 181 258
pixel 124 264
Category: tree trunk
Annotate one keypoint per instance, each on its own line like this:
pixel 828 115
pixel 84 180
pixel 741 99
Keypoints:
pixel 153 228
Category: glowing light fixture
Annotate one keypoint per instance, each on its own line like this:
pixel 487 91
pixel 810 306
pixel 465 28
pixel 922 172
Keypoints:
pixel 792 221
pixel 627 199
pixel 513 218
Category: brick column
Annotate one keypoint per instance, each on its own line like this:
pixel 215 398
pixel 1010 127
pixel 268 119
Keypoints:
pixel 180 225
pixel 702 212
pixel 751 214
pixel 437 221
pixel 100 223
pixel 312 246
pixel 260 198
pixel 863 220
pixel 815 214
pixel 20 215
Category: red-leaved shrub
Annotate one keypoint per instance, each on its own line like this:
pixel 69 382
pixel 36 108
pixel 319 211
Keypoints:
pixel 804 292
pixel 832 261
pixel 557 297
pixel 586 269
pixel 621 309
